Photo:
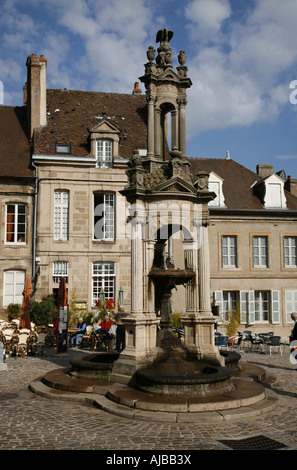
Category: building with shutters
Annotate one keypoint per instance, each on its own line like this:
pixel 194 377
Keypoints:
pixel 63 162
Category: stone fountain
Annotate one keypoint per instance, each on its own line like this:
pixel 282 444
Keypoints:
pixel 157 377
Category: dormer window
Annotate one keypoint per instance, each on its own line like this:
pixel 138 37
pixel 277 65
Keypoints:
pixel 104 153
pixel 104 138
pixel 215 184
pixel 63 148
pixel 271 192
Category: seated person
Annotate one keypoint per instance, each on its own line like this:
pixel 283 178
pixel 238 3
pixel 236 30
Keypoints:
pixel 120 338
pixel 113 333
pixel 81 329
pixel 105 326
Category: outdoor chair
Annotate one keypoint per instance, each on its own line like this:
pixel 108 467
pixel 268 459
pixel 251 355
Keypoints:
pixel 222 342
pixel 236 341
pixel 247 339
pixel 22 344
pixel 9 339
pixel 87 336
pixel 274 342
pixel 38 345
pixel 256 343
pixel 100 341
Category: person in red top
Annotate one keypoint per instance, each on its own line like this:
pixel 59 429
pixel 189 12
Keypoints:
pixel 105 326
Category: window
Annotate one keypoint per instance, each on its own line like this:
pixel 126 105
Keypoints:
pixel 104 227
pixel 215 184
pixel 290 252
pixel 104 154
pixel 61 214
pixel 260 252
pixel 229 251
pixel 63 148
pixel 261 306
pixel 103 281
pixel 60 269
pixel 16 223
pixel 291 303
pixel 14 282
pixel 229 301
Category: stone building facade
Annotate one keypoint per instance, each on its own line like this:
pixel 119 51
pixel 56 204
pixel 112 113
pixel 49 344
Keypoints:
pixel 67 177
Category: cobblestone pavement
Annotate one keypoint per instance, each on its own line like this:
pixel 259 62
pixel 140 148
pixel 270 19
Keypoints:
pixel 31 422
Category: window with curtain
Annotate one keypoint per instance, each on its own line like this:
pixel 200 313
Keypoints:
pixel 14 283
pixel 104 153
pixel 60 269
pixel 229 251
pixel 61 215
pixel 290 252
pixel 260 252
pixel 16 221
pixel 262 306
pixel 103 280
pixel 104 211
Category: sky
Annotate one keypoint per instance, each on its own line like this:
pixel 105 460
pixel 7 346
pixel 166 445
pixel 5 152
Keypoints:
pixel 241 58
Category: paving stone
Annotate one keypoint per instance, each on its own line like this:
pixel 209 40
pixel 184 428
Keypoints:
pixel 32 422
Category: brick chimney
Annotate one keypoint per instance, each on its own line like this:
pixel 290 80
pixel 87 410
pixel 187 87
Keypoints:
pixel 136 89
pixel 265 170
pixel 291 185
pixel 35 93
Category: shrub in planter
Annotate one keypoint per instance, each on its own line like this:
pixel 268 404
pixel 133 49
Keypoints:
pixel 13 311
pixel 44 312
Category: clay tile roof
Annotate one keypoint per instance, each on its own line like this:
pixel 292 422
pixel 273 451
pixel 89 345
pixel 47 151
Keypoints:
pixel 71 113
pixel 237 183
pixel 14 144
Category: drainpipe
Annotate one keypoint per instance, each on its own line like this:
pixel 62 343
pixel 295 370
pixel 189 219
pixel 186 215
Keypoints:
pixel 34 232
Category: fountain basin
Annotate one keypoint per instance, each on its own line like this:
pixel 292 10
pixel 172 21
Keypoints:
pixel 97 366
pixel 175 376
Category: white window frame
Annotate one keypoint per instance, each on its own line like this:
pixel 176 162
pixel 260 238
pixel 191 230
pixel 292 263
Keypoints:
pixel 104 153
pixel 104 216
pixel 229 250
pixel 260 251
pixel 16 286
pixel 215 184
pixel 290 303
pixel 61 215
pixel 103 278
pixel 290 251
pixel 60 269
pixel 17 215
pixel 262 306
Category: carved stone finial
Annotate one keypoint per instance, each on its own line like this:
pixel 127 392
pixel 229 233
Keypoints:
pixel 151 53
pixel 165 56
pixel 163 35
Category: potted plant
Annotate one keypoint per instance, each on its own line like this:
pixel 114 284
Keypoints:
pixel 215 308
pixel 231 323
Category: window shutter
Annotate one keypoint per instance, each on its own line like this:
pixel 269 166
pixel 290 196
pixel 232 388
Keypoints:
pixel 251 307
pixel 243 305
pixel 291 303
pixel 275 306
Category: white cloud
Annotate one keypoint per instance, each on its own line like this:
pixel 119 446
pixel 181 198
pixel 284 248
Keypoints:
pixel 206 17
pixel 243 79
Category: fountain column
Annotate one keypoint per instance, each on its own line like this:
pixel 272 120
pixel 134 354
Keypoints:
pixel 205 326
pixel 140 325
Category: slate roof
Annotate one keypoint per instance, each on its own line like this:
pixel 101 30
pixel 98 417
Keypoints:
pixel 237 183
pixel 71 113
pixel 14 144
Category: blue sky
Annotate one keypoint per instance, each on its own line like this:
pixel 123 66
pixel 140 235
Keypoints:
pixel 241 56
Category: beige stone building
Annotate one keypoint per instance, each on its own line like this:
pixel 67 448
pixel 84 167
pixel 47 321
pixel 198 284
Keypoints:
pixel 67 181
